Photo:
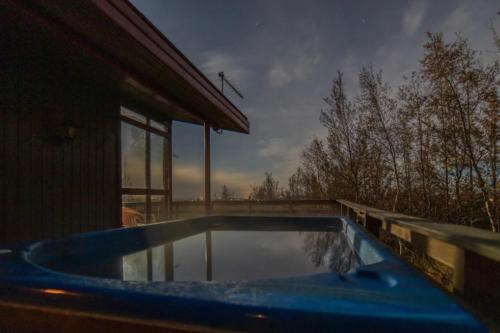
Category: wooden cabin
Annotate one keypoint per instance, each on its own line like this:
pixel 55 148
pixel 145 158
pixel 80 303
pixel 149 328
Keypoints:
pixel 76 78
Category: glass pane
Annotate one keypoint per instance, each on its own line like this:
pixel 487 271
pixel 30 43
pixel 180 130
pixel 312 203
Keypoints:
pixel 157 161
pixel 158 126
pixel 135 266
pixel 158 208
pixel 187 162
pixel 132 115
pixel 133 210
pixel 158 262
pixel 133 156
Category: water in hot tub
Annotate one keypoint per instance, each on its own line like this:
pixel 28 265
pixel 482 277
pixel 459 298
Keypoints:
pixel 241 255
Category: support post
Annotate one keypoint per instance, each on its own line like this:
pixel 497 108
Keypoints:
pixel 169 261
pixel 148 211
pixel 149 264
pixel 208 255
pixel 208 204
pixel 167 170
pixel 208 199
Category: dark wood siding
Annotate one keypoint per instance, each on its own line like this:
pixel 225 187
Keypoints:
pixel 48 188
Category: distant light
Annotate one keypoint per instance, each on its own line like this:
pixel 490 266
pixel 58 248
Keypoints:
pixel 54 291
pixel 257 315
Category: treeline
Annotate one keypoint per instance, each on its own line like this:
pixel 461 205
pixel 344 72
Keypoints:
pixel 428 148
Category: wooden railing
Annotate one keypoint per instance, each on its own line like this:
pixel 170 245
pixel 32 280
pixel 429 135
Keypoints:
pixel 472 254
pixel 184 209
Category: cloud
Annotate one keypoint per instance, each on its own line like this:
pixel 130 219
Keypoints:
pixel 285 158
pixel 472 21
pixel 397 61
pixel 459 20
pixel 238 182
pixel 350 65
pixel 297 64
pixel 272 147
pixel 188 173
pixel 413 17
pixel 286 164
pixel 189 181
pixel 215 62
pixel 278 75
pixel 282 158
pixel 399 56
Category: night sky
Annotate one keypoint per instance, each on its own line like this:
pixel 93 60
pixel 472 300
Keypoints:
pixel 283 56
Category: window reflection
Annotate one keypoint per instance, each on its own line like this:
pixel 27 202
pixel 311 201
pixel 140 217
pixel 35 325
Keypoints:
pixel 242 255
pixel 133 210
pixel 133 148
pixel 132 115
pixel 135 267
pixel 157 161
pixel 329 249
pixel 145 166
pixel 158 126
pixel 159 211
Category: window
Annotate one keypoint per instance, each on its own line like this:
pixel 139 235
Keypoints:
pixel 145 167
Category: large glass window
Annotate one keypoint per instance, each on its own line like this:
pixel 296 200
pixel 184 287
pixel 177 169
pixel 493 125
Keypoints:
pixel 145 167
pixel 157 161
pixel 133 156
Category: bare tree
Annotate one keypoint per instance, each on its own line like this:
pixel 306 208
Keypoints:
pixel 226 194
pixel 464 86
pixel 344 142
pixel 380 108
pixel 268 190
pixel 431 149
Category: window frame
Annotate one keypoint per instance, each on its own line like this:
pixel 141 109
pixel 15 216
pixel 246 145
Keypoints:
pixel 148 191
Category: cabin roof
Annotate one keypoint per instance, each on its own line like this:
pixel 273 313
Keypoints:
pixel 153 68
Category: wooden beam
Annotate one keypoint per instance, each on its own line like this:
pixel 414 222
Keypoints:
pixel 473 254
pixel 208 198
pixel 400 232
pixel 148 173
pixel 167 169
pixel 479 241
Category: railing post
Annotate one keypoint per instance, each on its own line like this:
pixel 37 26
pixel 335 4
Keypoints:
pixel 373 225
pixel 459 271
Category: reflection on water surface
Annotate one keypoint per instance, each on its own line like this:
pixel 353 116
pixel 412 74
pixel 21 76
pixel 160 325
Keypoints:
pixel 241 255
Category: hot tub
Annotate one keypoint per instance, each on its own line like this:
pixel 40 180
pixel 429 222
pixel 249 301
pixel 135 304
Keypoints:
pixel 224 273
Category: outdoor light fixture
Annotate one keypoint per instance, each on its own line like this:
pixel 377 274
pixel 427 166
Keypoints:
pixel 65 133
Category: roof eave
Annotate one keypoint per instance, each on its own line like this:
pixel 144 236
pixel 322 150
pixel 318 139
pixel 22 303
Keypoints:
pixel 151 57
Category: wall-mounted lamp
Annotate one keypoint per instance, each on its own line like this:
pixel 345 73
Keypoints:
pixel 65 133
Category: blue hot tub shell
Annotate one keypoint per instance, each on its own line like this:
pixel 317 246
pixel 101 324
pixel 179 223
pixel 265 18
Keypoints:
pixel 384 294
